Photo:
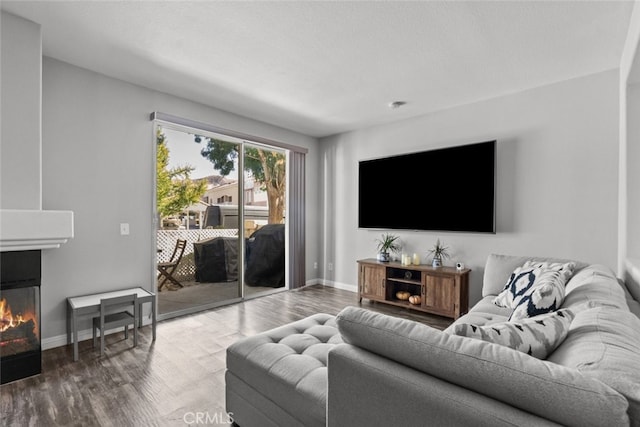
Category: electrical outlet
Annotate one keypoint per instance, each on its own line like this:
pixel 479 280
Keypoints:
pixel 330 266
pixel 124 229
pixel 315 265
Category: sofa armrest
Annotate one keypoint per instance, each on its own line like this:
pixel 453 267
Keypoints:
pixel 552 391
pixel 365 389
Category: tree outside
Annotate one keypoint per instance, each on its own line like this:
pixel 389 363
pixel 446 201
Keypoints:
pixel 268 169
pixel 175 189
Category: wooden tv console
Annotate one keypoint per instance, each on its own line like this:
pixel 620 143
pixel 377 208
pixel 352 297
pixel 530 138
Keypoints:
pixel 443 290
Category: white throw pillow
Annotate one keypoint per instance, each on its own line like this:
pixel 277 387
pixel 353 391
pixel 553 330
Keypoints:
pixel 536 336
pixel 533 274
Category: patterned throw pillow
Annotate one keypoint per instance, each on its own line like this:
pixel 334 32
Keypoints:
pixel 521 288
pixel 537 336
pixel 520 280
pixel 538 300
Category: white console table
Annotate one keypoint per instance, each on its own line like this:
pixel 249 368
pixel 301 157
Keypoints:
pixel 89 305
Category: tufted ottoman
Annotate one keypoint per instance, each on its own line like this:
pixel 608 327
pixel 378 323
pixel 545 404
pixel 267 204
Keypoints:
pixel 279 377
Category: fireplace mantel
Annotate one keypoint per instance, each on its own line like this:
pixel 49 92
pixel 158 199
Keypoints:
pixel 22 230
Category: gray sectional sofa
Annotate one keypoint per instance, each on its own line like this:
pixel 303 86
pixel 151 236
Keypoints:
pixel 363 368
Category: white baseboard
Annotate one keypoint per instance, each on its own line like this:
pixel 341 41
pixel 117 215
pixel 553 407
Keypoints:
pixel 337 285
pixel 312 282
pixel 60 340
pixel 86 334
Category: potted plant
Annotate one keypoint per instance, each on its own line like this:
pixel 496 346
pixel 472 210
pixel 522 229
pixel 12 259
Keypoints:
pixel 439 253
pixel 388 243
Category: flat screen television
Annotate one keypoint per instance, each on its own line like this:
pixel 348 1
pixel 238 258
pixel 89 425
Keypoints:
pixel 447 189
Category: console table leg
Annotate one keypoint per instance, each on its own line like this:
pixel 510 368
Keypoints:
pixel 74 321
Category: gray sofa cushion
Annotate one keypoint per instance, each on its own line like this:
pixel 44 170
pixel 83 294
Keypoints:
pixel 632 304
pixel 485 312
pixel 391 394
pixel 498 269
pixel 288 365
pixel 604 343
pixel 596 285
pixel 561 394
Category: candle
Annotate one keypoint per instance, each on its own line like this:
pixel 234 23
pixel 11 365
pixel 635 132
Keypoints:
pixel 416 259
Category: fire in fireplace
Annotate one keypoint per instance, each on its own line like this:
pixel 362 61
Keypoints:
pixel 20 350
pixel 19 321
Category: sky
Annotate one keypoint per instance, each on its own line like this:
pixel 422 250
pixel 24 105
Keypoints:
pixel 183 150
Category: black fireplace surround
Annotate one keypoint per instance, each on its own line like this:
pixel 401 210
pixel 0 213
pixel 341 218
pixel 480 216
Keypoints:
pixel 20 342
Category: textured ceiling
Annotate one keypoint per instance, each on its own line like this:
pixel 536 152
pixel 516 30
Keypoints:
pixel 326 67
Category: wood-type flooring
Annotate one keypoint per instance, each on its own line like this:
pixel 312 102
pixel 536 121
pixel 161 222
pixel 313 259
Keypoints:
pixel 177 380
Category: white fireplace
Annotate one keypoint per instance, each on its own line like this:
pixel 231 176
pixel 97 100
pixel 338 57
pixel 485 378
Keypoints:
pixel 23 235
pixel 22 229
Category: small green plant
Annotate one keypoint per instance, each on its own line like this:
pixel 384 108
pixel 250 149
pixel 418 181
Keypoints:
pixel 386 244
pixel 439 253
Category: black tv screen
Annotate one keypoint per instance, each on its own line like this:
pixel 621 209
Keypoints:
pixel 447 189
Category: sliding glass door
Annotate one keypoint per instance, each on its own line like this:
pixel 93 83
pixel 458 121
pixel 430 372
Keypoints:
pixel 264 218
pixel 221 202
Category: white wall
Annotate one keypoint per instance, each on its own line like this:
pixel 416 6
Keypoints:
pixel 557 178
pixel 21 88
pixel 631 194
pixel 98 161
pixel 633 174
pixel 629 176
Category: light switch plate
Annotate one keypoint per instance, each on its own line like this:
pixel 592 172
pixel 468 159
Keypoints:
pixel 124 229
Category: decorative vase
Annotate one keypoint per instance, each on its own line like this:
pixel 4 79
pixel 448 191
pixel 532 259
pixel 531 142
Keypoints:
pixel 436 262
pixel 383 256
